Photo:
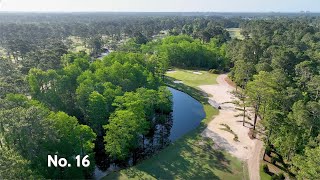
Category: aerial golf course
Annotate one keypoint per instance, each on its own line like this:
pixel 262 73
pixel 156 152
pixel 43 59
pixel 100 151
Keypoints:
pixel 192 156
pixel 160 96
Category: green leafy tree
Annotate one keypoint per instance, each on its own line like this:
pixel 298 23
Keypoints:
pixel 313 87
pixel 307 166
pixel 261 92
pixel 14 166
pixel 97 111
pixel 123 133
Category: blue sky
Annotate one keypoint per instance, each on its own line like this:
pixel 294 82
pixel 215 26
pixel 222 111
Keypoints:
pixel 162 5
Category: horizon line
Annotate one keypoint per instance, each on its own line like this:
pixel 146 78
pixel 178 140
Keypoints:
pixel 98 11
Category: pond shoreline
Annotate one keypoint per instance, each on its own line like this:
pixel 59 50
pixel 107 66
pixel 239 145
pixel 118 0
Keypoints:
pixel 186 157
pixel 187 114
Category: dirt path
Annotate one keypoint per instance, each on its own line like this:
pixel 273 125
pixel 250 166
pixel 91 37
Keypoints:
pixel 246 149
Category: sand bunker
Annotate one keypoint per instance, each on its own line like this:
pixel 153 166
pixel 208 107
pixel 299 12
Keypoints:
pixel 246 149
pixel 178 82
pixel 199 73
pixel 171 71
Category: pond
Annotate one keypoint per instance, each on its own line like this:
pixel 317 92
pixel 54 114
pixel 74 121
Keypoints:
pixel 187 114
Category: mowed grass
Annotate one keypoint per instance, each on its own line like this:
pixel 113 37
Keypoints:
pixel 263 175
pixel 192 156
pixel 235 33
pixel 191 79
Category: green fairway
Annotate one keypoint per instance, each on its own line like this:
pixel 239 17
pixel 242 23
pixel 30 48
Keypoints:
pixel 235 33
pixel 192 156
pixel 263 175
pixel 191 79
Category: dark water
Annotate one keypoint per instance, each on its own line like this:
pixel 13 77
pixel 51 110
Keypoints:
pixel 187 114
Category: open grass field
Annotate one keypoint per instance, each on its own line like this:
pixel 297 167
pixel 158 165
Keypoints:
pixel 189 78
pixel 78 45
pixel 192 156
pixel 235 33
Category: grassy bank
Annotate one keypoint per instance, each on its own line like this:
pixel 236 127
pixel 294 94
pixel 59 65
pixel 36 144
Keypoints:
pixel 191 79
pixel 192 156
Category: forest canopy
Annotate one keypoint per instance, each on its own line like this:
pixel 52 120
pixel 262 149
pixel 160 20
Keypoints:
pixel 60 96
pixel 278 66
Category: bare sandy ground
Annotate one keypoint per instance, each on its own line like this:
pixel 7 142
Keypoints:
pixel 246 149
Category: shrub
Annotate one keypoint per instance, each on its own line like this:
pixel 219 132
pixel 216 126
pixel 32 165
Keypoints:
pixel 280 158
pixel 214 71
pixel 281 176
pixel 236 138
pixel 268 150
pixel 274 177
pixel 265 168
pixel 278 177
pixel 273 160
pixel 252 134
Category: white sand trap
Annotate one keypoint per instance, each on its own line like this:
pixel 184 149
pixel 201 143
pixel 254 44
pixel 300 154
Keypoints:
pixel 199 73
pixel 246 149
pixel 171 71
pixel 178 82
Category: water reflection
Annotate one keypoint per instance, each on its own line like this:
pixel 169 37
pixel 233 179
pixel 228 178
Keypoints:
pixel 187 115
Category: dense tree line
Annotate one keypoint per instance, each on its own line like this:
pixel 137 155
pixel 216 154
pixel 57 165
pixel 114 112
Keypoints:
pixel 278 66
pixel 21 34
pixel 114 110
pixel 30 132
pixel 117 110
pixel 182 51
pixel 117 104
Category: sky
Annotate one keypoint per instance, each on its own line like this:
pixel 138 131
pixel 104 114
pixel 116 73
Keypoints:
pixel 161 5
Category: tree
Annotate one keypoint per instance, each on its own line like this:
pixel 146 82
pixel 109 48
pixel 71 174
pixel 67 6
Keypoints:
pixel 285 60
pixel 313 87
pixel 304 72
pixel 307 166
pixel 14 166
pixel 261 91
pixel 123 133
pixel 242 103
pixel 97 111
pixel 11 79
pixel 140 38
pixel 32 132
pixel 73 139
pixel 164 104
pixel 242 72
pixel 95 45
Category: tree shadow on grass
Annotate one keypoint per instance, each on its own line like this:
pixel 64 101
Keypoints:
pixel 221 142
pixel 189 159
